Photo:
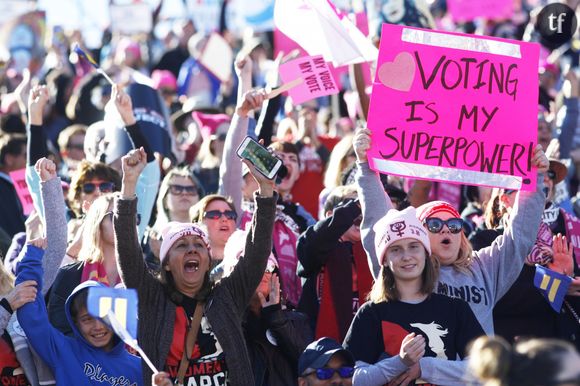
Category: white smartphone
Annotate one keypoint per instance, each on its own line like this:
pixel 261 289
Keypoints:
pixel 264 161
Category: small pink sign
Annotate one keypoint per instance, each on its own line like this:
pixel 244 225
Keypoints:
pixel 454 107
pixel 316 75
pixel 467 10
pixel 19 181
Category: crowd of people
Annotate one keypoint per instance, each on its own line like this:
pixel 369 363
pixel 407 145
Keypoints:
pixel 328 274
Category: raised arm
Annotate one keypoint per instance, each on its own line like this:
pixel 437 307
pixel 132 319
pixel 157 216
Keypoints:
pixel 130 263
pixel 55 220
pixel 148 182
pixel 247 274
pixel 503 260
pixel 33 317
pixel 315 245
pixel 375 203
pixel 36 143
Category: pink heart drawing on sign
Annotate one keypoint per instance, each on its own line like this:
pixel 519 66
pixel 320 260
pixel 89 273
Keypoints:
pixel 399 73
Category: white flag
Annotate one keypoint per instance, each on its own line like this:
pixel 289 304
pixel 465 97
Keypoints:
pixel 318 28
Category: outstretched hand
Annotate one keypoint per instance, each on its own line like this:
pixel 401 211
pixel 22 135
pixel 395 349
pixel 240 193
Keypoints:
pixel 46 169
pixel 361 143
pixel 562 258
pixel 540 160
pixel 37 100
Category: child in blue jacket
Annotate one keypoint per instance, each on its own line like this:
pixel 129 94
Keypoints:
pixel 94 356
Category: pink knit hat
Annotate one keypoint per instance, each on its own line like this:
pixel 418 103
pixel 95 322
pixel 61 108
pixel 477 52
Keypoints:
pixel 163 79
pixel 173 231
pixel 210 123
pixel 398 225
pixel 430 209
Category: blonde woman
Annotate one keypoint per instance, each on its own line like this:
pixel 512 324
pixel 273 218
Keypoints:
pixel 96 261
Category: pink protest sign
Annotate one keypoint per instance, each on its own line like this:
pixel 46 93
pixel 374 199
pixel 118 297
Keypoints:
pixel 317 78
pixel 19 181
pixel 454 107
pixel 466 10
pixel 283 43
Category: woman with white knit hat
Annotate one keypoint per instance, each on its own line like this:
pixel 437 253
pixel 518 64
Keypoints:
pixel 404 320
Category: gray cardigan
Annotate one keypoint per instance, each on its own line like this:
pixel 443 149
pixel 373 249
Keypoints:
pixel 225 304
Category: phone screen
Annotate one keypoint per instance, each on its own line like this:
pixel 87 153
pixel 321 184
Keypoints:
pixel 259 157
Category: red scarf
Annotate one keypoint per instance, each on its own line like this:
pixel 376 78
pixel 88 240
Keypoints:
pixel 340 278
pixel 96 271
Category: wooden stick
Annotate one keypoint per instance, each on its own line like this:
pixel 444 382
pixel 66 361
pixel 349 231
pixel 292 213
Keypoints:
pixel 285 87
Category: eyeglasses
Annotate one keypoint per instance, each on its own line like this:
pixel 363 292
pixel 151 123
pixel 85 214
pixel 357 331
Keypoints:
pixel 189 190
pixel 110 216
pixel 216 214
pixel 434 224
pixel 104 187
pixel 326 373
pixel 551 174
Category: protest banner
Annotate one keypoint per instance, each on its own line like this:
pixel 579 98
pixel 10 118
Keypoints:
pixel 217 57
pixel 454 107
pixel 467 10
pixel 317 78
pixel 131 18
pixel 19 181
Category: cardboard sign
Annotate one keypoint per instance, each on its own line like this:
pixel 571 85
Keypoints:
pixel 467 10
pixel 218 57
pixel 131 18
pixel 19 181
pixel 123 303
pixel 317 76
pixel 454 107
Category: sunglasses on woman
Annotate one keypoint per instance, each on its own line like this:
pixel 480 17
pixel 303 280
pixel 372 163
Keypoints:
pixel 434 224
pixel 104 187
pixel 326 373
pixel 189 190
pixel 216 214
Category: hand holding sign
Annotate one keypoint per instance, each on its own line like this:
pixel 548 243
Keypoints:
pixel 361 143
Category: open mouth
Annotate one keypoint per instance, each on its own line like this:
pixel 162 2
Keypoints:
pixel 191 266
pixel 409 266
pixel 99 336
pixel 446 241
pixel 225 228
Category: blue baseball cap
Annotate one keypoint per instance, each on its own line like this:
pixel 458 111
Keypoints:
pixel 317 354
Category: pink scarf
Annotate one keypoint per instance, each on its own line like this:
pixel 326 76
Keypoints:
pixel 285 238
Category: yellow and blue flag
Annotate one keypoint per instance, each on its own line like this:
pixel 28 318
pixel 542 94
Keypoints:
pixel 79 51
pixel 553 286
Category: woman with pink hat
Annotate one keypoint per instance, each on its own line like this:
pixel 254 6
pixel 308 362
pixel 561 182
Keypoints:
pixel 405 326
pixel 189 326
